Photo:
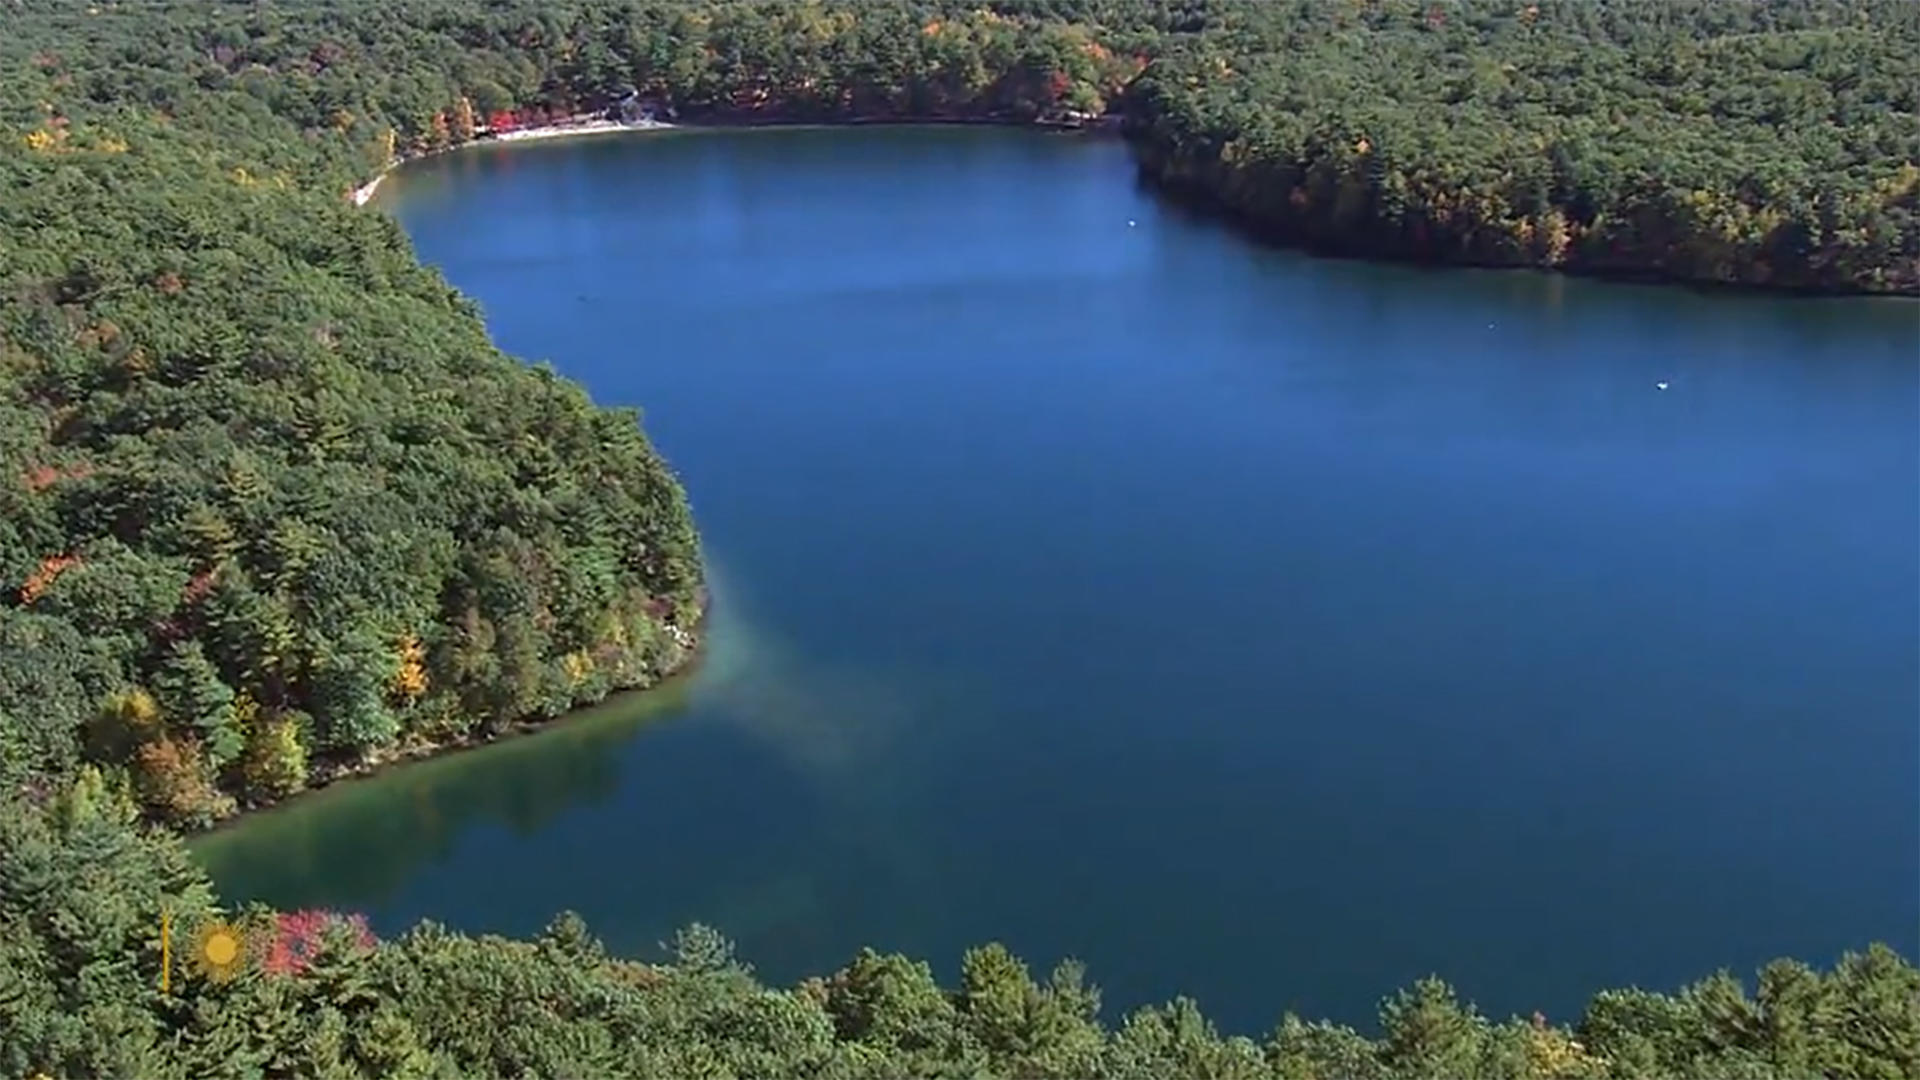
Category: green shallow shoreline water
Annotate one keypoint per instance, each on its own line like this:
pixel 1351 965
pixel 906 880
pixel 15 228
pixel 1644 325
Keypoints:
pixel 519 780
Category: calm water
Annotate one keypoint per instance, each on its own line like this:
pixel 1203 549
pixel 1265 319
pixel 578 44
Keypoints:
pixel 1268 629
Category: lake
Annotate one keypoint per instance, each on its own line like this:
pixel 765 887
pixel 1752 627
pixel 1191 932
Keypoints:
pixel 1264 628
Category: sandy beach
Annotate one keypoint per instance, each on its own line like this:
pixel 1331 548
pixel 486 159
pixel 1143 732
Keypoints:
pixel 365 192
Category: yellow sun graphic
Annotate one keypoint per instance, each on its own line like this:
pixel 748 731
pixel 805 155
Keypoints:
pixel 218 951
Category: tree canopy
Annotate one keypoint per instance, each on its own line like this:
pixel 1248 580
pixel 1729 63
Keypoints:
pixel 82 892
pixel 1762 144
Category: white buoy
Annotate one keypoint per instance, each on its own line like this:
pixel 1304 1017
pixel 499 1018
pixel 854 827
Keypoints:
pixel 1660 386
pixel 1131 223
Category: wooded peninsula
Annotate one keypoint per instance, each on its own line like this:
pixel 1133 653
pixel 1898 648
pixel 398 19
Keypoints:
pixel 275 508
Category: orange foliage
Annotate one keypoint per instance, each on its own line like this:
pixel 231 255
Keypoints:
pixel 41 477
pixel 172 780
pixel 411 680
pixel 198 587
pixel 101 334
pixel 42 579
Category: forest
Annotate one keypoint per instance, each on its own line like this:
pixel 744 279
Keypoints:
pixel 1765 144
pixel 82 891
pixel 273 508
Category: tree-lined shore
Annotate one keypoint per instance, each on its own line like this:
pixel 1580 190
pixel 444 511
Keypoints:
pixel 273 506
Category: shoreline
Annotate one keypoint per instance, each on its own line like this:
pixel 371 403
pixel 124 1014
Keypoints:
pixel 364 194
pixel 1191 197
pixel 694 642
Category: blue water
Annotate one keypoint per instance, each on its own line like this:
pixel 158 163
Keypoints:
pixel 1263 628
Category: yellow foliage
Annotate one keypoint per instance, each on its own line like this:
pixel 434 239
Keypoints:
pixel 246 712
pixel 244 178
pixel 274 763
pixel 1553 237
pixel 465 124
pixel 44 141
pixel 1904 180
pixel 411 680
pixel 1553 1053
pixel 136 709
pixel 578 664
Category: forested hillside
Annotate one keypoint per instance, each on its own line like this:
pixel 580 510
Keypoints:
pixel 272 506
pixel 272 501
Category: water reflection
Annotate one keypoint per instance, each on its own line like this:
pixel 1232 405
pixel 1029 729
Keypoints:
pixel 806 736
pixel 363 840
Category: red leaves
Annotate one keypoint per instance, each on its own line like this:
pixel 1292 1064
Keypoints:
pixel 198 587
pixel 296 937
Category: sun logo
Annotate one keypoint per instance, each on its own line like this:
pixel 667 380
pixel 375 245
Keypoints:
pixel 218 951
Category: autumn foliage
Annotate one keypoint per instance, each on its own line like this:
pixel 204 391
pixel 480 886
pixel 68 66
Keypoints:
pixel 296 937
pixel 43 578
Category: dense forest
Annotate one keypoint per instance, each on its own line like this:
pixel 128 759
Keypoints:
pixel 272 506
pixel 81 896
pixel 1771 144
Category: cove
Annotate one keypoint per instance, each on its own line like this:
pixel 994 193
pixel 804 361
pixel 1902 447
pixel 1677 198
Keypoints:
pixel 1264 628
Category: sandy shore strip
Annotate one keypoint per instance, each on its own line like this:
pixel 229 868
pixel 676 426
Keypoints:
pixel 365 192
pixel 560 131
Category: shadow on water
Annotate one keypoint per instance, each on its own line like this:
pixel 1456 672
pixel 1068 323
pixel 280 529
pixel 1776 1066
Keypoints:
pixel 366 837
pixel 430 837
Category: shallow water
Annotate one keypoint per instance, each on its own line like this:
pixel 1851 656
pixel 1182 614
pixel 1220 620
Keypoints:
pixel 1264 628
